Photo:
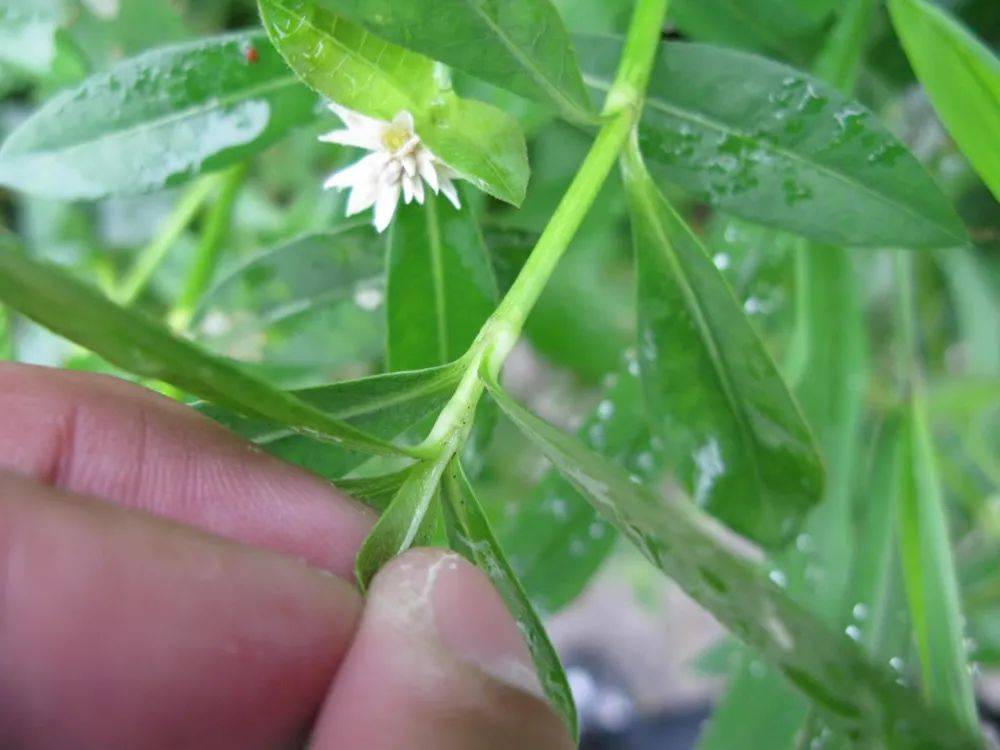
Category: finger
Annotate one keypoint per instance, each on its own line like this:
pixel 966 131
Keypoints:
pixel 122 630
pixel 101 436
pixel 437 664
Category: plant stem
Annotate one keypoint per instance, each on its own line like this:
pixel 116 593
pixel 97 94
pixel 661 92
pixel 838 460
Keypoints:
pixel 206 259
pixel 153 254
pixel 500 333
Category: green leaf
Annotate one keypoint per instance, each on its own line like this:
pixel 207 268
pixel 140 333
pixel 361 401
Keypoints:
pixel 441 287
pixel 376 492
pixel 557 541
pixel 850 692
pixel 929 572
pixel 731 430
pixel 142 346
pixel 470 535
pixel 157 119
pixel 346 64
pixel 278 305
pixel 382 405
pixel 409 521
pixel 781 148
pixel 520 45
pixel 783 28
pixel 962 78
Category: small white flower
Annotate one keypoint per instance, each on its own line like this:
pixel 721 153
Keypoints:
pixel 399 165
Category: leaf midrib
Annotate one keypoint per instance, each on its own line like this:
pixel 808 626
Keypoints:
pixel 708 335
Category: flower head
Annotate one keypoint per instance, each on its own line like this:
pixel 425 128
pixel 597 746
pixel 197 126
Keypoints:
pixel 399 164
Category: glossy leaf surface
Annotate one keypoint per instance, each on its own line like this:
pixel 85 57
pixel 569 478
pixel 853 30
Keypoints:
pixel 779 147
pixel 142 346
pixel 850 692
pixel 520 45
pixel 732 432
pixel 483 144
pixel 157 119
pixel 441 287
pixel 470 535
pixel 962 78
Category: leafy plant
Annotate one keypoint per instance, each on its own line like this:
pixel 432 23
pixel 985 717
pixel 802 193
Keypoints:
pixel 734 279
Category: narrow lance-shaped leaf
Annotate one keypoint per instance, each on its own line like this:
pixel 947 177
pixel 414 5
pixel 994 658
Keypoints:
pixel 408 521
pixel 348 65
pixel 962 78
pixel 779 147
pixel 382 405
pixel 731 430
pixel 156 119
pixel 929 572
pixel 470 535
pixel 376 492
pixel 850 692
pixel 441 287
pixel 142 346
pixel 520 45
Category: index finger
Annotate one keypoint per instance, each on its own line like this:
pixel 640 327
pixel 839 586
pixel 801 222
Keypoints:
pixel 97 435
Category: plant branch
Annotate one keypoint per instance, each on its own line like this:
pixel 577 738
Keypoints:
pixel 153 254
pixel 206 259
pixel 500 333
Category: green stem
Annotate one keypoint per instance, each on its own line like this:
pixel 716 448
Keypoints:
pixel 500 333
pixel 154 253
pixel 206 259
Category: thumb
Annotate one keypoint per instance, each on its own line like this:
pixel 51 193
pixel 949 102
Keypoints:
pixel 437 664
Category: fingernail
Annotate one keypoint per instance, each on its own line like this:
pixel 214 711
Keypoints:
pixel 473 623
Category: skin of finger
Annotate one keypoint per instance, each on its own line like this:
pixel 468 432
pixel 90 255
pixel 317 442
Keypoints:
pixel 97 435
pixel 119 629
pixel 402 688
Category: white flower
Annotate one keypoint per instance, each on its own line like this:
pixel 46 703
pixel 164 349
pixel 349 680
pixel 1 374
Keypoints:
pixel 399 165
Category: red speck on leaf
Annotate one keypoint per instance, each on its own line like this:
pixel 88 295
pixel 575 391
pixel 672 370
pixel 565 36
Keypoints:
pixel 252 55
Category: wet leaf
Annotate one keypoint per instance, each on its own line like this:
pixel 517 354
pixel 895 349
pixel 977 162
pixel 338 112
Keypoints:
pixel 519 45
pixel 731 429
pixel 776 146
pixel 348 65
pixel 470 535
pixel 144 347
pixel 156 120
pixel 962 78
pixel 723 574
pixel 441 287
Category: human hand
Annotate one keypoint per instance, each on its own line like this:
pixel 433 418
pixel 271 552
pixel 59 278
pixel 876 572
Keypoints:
pixel 165 585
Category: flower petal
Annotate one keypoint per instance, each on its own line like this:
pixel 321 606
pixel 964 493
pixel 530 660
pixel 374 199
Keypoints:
pixel 362 198
pixel 448 188
pixel 385 205
pixel 404 120
pixel 426 168
pixel 407 189
pixel 418 190
pixel 352 137
pixel 367 169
